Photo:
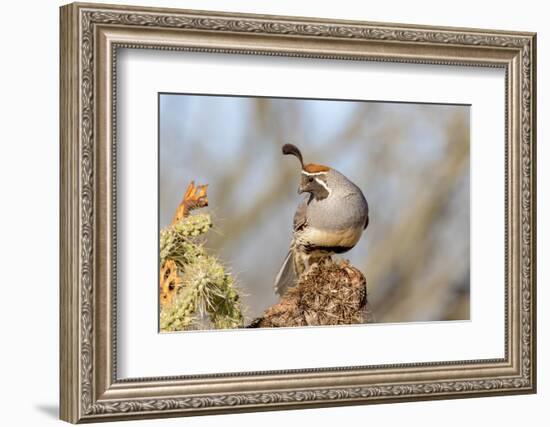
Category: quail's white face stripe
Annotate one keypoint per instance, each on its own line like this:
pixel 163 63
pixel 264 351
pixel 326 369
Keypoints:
pixel 323 184
pixel 313 173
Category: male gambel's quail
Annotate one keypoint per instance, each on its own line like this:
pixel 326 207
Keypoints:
pixel 331 220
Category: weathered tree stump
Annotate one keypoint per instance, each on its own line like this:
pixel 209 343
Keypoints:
pixel 330 293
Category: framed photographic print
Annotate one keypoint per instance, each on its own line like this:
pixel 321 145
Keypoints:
pixel 266 212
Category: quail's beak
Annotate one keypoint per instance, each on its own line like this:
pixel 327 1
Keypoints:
pixel 300 190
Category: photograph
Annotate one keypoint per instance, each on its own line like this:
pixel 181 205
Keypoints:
pixel 290 212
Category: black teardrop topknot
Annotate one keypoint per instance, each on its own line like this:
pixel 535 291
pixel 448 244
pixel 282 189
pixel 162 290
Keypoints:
pixel 292 149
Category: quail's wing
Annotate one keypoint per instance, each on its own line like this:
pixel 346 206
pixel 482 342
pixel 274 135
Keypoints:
pixel 368 213
pixel 300 217
pixel 354 195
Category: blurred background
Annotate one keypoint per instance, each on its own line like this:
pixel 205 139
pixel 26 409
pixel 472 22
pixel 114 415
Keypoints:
pixel 410 160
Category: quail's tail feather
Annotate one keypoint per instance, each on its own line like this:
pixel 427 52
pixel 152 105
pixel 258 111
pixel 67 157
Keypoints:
pixel 286 276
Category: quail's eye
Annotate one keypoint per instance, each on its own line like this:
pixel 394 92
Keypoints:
pixel 310 180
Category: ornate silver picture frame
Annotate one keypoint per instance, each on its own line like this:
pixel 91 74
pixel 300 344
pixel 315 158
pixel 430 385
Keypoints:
pixel 91 35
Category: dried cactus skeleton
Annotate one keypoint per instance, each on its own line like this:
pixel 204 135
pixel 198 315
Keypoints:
pixel 170 282
pixel 194 198
pixel 331 292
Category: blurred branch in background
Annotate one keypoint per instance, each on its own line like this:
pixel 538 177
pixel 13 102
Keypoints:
pixel 413 249
pixel 410 160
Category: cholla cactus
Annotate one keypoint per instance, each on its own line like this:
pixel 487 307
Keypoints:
pixel 204 296
pixel 178 242
pixel 331 292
